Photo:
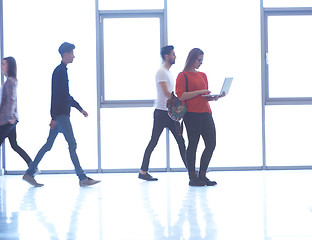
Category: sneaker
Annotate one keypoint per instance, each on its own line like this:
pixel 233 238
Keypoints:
pixel 147 177
pixel 31 180
pixel 88 182
pixel 207 181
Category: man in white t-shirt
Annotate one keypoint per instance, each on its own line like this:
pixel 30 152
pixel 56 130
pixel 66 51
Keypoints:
pixel 164 85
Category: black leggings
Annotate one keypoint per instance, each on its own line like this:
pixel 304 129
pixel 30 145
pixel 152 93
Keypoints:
pixel 161 121
pixel 9 130
pixel 199 124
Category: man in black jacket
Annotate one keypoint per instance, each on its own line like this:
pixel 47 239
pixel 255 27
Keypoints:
pixel 61 102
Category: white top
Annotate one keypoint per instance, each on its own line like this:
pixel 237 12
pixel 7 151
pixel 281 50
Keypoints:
pixel 163 75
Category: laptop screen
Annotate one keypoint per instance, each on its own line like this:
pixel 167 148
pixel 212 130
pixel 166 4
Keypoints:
pixel 226 85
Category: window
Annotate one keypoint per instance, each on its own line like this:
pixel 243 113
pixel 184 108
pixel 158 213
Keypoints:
pixel 131 58
pixel 32 36
pixel 231 44
pixel 288 135
pixel 125 135
pixel 289 56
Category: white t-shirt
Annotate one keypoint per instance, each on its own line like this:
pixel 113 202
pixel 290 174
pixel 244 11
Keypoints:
pixel 163 75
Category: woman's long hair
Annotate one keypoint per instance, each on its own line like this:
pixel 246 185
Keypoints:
pixel 191 58
pixel 12 69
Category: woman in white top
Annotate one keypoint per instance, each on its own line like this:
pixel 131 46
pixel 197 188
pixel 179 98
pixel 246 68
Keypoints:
pixel 8 107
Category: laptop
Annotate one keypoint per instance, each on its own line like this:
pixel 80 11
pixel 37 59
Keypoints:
pixel 225 88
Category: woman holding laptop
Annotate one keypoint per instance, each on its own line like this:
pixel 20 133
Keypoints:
pixel 198 119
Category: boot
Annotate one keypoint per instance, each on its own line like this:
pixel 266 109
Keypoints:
pixel 202 177
pixel 194 180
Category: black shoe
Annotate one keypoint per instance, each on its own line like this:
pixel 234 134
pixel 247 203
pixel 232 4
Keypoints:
pixel 207 181
pixel 194 180
pixel 147 177
pixel 197 182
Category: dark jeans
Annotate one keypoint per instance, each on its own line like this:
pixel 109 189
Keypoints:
pixel 9 130
pixel 161 121
pixel 5 130
pixel 63 125
pixel 199 124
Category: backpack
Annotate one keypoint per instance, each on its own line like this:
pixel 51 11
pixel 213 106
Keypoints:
pixel 177 109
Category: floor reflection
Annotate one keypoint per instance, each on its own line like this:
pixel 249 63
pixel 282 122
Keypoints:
pixel 122 207
pixel 195 218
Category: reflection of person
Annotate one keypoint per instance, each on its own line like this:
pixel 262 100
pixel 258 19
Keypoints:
pixel 8 107
pixel 61 102
pixel 194 203
pixel 165 85
pixel 198 118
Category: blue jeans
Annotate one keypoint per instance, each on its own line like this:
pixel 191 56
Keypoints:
pixel 64 126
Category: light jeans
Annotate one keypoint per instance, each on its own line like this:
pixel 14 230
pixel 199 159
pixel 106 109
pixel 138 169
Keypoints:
pixel 64 126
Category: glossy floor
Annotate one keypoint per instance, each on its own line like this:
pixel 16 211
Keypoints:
pixel 252 205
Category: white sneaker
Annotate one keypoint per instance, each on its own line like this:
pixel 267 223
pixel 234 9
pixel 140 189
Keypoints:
pixel 31 180
pixel 88 182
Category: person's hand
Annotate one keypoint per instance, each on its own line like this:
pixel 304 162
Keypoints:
pixel 84 113
pixel 12 121
pixel 205 91
pixel 52 124
pixel 222 95
pixel 215 98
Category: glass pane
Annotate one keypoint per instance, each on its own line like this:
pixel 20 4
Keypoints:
pixel 36 57
pixel 125 134
pixel 234 50
pixel 287 3
pixel 131 58
pixel 288 135
pixel 290 51
pixel 133 4
pixel 230 138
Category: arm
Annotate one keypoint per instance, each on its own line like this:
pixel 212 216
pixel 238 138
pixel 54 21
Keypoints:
pixel 11 93
pixel 181 89
pixel 76 105
pixel 216 97
pixel 164 88
pixel 189 95
pixel 59 92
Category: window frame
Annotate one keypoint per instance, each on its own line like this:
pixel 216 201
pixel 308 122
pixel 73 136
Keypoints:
pixel 158 13
pixel 266 99
pixel 267 12
pixel 101 102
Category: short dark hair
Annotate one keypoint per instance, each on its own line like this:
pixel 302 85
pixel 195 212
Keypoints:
pixel 166 50
pixel 12 69
pixel 66 47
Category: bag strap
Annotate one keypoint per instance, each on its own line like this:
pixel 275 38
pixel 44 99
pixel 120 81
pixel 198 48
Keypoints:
pixel 186 84
pixel 186 89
